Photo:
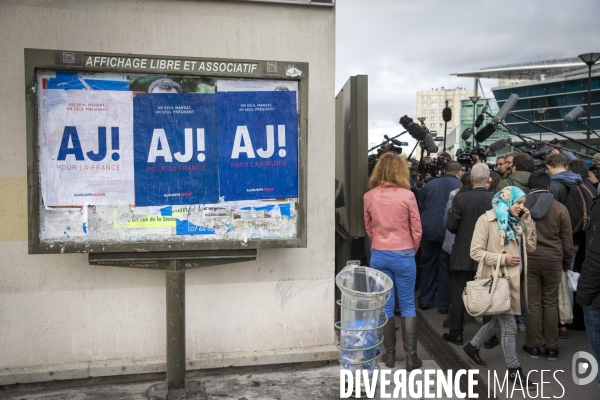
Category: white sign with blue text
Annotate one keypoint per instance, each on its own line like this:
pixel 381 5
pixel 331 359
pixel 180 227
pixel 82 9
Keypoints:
pixel 86 147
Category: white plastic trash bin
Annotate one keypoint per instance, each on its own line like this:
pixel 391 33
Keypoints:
pixel 365 292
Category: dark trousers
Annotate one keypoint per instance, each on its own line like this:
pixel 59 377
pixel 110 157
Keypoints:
pixel 578 322
pixel 434 274
pixel 542 292
pixel 458 281
pixel 592 323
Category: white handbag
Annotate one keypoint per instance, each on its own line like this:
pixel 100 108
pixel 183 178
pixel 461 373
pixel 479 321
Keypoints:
pixel 572 280
pixel 565 309
pixel 488 296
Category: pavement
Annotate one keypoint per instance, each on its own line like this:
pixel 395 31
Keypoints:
pixel 277 383
pixel 556 371
pixel 322 380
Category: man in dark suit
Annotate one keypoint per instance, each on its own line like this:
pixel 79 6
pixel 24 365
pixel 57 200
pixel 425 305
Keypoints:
pixel 467 207
pixel 432 201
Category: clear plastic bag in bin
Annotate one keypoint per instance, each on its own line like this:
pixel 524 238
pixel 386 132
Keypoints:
pixel 362 334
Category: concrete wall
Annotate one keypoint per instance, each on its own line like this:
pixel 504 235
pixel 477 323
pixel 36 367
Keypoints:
pixel 57 313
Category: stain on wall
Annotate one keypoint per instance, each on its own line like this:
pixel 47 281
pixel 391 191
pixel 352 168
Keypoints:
pixel 13 209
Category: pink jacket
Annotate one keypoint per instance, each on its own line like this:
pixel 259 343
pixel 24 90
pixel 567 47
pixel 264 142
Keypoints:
pixel 392 218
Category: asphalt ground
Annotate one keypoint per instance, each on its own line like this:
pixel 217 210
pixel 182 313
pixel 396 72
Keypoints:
pixel 561 369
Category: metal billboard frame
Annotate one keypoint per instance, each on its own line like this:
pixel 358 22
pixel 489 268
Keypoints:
pixel 98 62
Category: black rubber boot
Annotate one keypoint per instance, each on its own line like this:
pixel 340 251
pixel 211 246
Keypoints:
pixel 389 343
pixel 409 339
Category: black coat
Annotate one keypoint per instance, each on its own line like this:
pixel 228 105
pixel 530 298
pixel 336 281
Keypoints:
pixel 588 287
pixel 467 207
pixel 432 205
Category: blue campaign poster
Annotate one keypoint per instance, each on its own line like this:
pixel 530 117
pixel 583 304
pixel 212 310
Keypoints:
pixel 79 81
pixel 175 149
pixel 258 145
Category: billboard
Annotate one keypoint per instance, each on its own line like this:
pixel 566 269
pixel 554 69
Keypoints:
pixel 169 159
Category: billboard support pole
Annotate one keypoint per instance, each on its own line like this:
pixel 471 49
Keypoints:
pixel 175 326
pixel 176 386
pixel 175 264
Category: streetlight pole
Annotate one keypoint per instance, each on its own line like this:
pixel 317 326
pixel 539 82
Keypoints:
pixel 445 114
pixel 541 112
pixel 589 59
pixel 474 100
pixel 422 121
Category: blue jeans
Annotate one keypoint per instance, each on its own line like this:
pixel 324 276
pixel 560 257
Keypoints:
pixel 402 271
pixel 591 315
pixel 434 274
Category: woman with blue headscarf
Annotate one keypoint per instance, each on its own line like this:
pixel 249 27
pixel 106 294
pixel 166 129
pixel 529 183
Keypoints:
pixel 506 230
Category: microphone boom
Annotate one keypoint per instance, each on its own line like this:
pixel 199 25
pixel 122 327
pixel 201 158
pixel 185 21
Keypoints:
pixel 506 108
pixel 574 114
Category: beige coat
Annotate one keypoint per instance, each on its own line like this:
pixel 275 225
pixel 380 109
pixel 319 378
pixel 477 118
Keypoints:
pixel 486 237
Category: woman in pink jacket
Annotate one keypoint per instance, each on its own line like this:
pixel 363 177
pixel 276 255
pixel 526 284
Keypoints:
pixel 393 224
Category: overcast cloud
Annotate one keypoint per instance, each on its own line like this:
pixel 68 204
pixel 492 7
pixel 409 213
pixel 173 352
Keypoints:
pixel 405 46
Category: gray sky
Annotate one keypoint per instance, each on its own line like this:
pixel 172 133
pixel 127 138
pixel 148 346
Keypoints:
pixel 409 45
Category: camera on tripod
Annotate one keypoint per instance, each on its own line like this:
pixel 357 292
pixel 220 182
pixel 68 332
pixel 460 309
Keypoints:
pixel 539 150
pixel 388 145
pixel 435 167
pixel 467 156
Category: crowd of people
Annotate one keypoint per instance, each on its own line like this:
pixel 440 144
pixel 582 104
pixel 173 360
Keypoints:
pixel 532 224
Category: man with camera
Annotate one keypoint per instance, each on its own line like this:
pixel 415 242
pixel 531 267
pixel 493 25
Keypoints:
pixel 432 203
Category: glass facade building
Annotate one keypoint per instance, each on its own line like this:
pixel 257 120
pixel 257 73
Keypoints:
pixel 468 114
pixel 547 102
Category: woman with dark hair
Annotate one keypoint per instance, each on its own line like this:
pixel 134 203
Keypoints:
pixel 393 224
pixel 493 181
pixel 465 185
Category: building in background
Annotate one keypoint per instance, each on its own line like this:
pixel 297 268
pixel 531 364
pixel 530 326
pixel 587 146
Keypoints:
pixel 431 103
pixel 469 113
pixel 466 113
pixel 547 91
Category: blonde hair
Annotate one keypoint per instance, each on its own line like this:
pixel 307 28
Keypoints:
pixel 390 168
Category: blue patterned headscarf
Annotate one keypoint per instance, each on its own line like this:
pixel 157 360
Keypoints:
pixel 508 225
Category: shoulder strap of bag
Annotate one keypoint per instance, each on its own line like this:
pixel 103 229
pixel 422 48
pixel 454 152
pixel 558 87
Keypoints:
pixel 585 208
pixel 587 190
pixel 584 218
pixel 480 267
pixel 497 267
